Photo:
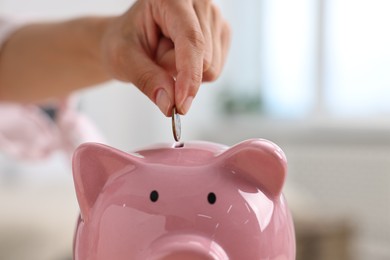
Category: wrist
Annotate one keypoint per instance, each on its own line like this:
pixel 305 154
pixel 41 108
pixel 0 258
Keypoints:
pixel 92 33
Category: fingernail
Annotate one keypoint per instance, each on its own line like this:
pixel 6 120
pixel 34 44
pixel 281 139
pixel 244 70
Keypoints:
pixel 163 102
pixel 187 104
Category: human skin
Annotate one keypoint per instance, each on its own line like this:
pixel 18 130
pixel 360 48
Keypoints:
pixel 166 48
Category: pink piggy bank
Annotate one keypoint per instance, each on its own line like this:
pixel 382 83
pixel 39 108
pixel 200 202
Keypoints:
pixel 197 200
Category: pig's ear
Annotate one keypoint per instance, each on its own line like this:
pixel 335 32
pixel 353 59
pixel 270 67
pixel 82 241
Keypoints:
pixel 93 164
pixel 260 162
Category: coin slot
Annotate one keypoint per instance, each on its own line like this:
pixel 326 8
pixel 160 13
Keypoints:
pixel 178 145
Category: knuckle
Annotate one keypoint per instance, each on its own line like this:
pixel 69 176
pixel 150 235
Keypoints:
pixel 207 2
pixel 143 80
pixel 206 63
pixel 196 39
pixel 226 29
pixel 216 13
pixel 162 4
pixel 211 74
pixel 196 76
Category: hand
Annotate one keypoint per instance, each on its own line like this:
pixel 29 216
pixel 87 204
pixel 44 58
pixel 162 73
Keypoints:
pixel 167 48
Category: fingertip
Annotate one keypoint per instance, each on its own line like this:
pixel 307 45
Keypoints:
pixel 186 88
pixel 163 101
pixel 211 74
pixel 207 60
pixel 186 105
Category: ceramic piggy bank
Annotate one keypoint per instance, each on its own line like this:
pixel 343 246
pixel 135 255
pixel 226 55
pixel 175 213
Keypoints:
pixel 197 200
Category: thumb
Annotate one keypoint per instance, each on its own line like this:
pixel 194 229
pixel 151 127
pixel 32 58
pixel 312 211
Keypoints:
pixel 153 81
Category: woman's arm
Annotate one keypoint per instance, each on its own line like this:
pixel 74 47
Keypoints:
pixel 51 59
pixel 164 47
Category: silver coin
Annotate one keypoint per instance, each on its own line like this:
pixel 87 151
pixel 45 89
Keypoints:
pixel 176 125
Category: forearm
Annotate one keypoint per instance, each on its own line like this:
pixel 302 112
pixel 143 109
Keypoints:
pixel 52 59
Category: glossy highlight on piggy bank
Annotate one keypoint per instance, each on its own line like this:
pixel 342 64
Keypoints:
pixel 196 200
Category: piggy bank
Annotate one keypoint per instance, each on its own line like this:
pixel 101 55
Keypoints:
pixel 195 200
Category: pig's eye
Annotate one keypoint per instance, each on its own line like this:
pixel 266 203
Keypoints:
pixel 211 198
pixel 154 196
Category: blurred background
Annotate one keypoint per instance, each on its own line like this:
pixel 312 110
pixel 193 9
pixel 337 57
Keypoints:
pixel 311 75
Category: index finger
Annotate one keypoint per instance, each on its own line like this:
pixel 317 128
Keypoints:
pixel 182 26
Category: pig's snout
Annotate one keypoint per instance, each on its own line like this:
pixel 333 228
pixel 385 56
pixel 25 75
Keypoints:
pixel 189 247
